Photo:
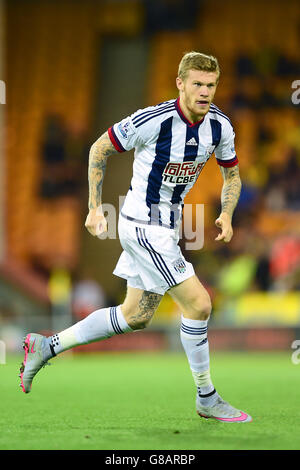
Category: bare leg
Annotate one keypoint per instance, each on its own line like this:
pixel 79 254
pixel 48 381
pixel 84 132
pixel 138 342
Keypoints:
pixel 139 307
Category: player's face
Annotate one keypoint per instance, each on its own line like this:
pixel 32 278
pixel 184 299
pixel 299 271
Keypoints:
pixel 197 92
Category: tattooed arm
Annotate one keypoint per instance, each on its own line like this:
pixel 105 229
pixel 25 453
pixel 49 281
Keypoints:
pixel 231 189
pixel 229 198
pixel 99 152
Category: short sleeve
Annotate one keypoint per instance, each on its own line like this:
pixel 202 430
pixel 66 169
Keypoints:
pixel 124 135
pixel 225 151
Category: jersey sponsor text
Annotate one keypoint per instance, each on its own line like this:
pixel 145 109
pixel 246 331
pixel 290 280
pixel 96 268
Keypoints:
pixel 182 173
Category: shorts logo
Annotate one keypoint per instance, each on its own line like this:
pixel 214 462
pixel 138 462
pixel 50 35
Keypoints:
pixel 179 266
pixel 182 173
pixel 125 129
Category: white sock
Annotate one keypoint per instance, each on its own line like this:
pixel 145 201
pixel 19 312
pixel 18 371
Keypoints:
pixel 193 335
pixel 98 325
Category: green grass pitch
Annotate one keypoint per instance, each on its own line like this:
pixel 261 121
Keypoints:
pixel 146 401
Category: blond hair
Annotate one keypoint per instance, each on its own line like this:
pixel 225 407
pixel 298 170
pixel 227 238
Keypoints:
pixel 197 61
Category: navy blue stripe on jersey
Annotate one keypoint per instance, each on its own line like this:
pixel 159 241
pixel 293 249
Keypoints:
pixel 162 157
pixel 151 253
pixel 190 154
pixel 225 117
pixel 114 321
pixel 214 110
pixel 165 102
pixel 147 113
pixel 213 107
pixel 148 118
pixel 159 259
pixel 176 199
pixel 216 130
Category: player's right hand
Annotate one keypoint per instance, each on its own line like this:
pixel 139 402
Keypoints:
pixel 95 222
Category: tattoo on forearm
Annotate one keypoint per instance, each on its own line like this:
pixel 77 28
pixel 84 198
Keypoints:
pixel 99 153
pixel 147 307
pixel 231 189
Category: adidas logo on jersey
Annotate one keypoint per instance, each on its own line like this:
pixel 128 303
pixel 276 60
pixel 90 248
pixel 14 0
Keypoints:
pixel 192 141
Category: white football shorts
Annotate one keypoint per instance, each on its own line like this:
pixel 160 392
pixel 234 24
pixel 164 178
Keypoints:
pixel 152 259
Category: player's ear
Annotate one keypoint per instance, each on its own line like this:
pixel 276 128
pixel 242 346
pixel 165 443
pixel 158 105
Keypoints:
pixel 179 83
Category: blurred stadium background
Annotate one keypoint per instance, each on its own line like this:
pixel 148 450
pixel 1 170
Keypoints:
pixel 71 68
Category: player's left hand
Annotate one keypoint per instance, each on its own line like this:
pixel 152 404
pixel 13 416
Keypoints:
pixel 224 223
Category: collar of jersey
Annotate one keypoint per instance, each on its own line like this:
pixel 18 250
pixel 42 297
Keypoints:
pixel 180 112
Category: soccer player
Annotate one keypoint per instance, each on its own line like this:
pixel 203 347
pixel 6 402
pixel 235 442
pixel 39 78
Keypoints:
pixel 173 141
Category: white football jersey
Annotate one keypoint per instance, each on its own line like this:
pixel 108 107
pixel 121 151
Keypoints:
pixel 170 153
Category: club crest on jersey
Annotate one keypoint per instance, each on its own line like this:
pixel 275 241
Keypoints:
pixel 124 129
pixel 182 173
pixel 209 151
pixel 179 266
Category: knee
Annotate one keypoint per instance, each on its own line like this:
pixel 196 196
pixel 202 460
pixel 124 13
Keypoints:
pixel 205 311
pixel 201 308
